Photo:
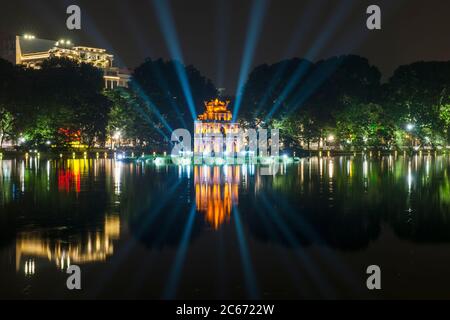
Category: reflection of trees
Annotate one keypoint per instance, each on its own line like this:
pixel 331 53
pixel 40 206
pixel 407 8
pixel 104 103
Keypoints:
pixel 158 208
pixel 340 202
pixel 343 204
pixel 426 218
pixel 157 229
pixel 311 223
pixel 55 210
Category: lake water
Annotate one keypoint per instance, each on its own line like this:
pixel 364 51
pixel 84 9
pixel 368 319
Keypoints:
pixel 198 232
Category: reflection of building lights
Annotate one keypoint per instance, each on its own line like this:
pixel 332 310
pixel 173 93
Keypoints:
pixel 216 192
pixel 78 251
pixel 30 267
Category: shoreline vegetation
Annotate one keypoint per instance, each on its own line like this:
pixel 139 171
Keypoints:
pixel 100 153
pixel 337 104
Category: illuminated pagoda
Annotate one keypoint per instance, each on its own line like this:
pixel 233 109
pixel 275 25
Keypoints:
pixel 214 127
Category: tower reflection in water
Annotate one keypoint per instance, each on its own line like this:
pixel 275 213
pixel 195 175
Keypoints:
pixel 216 191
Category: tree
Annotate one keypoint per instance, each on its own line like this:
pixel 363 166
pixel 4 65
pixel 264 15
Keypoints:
pixel 62 102
pixel 316 91
pixel 417 94
pixel 160 93
pixel 7 118
pixel 364 124
pixel 6 126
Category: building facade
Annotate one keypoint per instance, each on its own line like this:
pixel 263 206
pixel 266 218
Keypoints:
pixel 215 132
pixel 30 52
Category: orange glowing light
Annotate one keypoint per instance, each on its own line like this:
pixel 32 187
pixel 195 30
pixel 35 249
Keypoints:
pixel 216 194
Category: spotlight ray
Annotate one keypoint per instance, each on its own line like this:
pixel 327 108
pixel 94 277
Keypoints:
pixel 146 117
pixel 288 265
pixel 165 229
pixel 221 45
pixel 249 275
pixel 325 253
pixel 124 8
pixel 125 251
pixel 150 105
pixel 290 237
pixel 98 37
pixel 165 86
pixel 319 76
pixel 175 272
pixel 312 53
pixel 257 13
pixel 167 25
pixel 305 25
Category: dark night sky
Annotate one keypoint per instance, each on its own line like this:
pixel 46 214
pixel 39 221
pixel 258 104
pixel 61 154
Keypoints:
pixel 212 33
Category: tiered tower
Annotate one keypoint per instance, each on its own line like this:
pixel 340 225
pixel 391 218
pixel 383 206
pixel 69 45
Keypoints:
pixel 214 127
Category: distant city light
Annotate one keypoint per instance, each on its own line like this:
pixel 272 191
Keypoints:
pixel 409 126
pixel 330 138
pixel 29 36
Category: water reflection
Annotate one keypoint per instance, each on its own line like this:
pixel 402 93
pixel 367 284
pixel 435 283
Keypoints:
pixel 216 191
pixel 58 210
pixel 91 246
pixel 81 210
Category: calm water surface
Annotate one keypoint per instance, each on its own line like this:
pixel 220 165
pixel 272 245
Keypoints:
pixel 145 231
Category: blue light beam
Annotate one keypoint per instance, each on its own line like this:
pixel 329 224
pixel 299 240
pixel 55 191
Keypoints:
pixel 167 25
pixel 304 27
pixel 175 273
pixel 249 274
pixel 312 53
pixel 257 13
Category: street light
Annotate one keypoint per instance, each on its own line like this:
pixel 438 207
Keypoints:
pixel 116 136
pixel 409 128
